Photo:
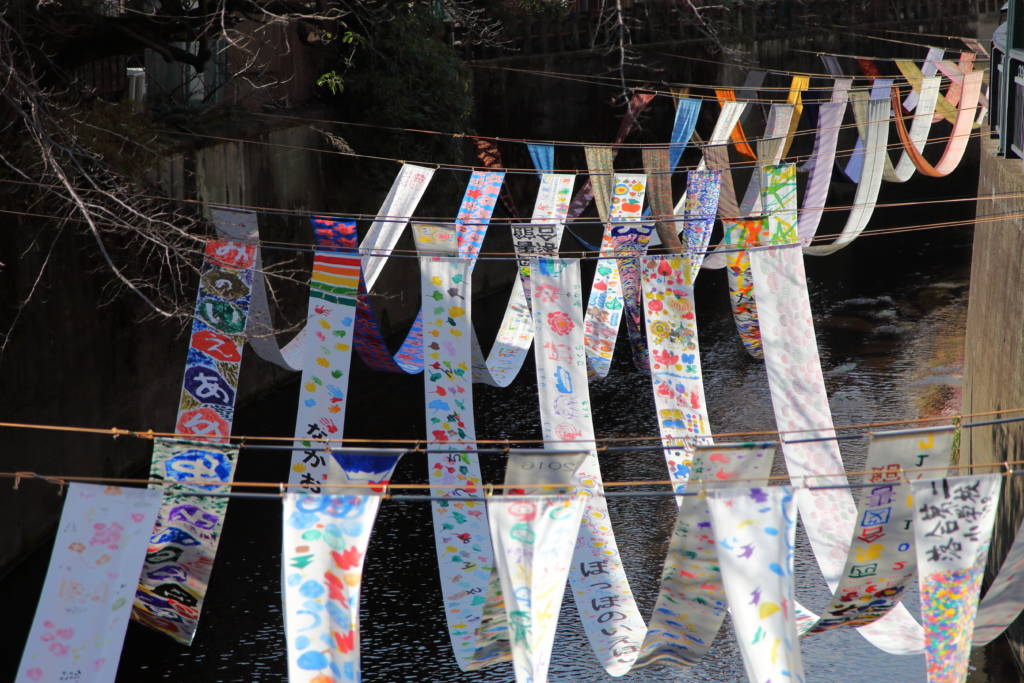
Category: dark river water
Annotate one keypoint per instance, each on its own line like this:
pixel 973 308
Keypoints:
pixel 889 313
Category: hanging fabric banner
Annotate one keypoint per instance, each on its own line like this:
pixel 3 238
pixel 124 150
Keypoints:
pixel 659 195
pixel 880 90
pixel 882 564
pixel 778 200
pixel 461 534
pixel 725 95
pixel 185 537
pixel 78 629
pixel 606 606
pixel 543 235
pixel 928 68
pixel 919 129
pixel 691 605
pixel 533 545
pixel 323 549
pixel 943 108
pixel 755 531
pixel 543 156
pixel 958 138
pixel 702 192
pixel 184 542
pixel 327 350
pixel 953 526
pixel 797 86
pixel 685 122
pixel 394 213
pixel 675 361
pixel 1004 599
pixel 637 104
pixel 473 217
pixel 490 156
pixel 830 120
pixel 800 405
pixel 955 73
pixel 870 178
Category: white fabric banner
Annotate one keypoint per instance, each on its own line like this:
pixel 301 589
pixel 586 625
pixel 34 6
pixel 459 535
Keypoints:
pixel 405 194
pixel 691 605
pixel 603 597
pixel 78 630
pixel 755 532
pixel 533 548
pixel 953 526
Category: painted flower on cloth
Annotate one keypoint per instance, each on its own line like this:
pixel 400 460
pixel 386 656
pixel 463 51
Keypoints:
pixel 560 323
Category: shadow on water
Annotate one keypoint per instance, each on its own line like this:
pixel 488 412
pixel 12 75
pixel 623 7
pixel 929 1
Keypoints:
pixel 889 313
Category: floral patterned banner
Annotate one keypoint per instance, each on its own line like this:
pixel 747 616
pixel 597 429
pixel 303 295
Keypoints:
pixel 181 550
pixel 702 191
pixel 171 589
pixel 323 549
pixel 691 605
pixel 623 232
pixel 675 361
pixel 326 353
pixel 464 553
pixel 800 404
pixel 953 526
pixel 882 564
pixel 533 546
pixel 79 626
pixel 543 235
pixel 756 531
pixel 603 597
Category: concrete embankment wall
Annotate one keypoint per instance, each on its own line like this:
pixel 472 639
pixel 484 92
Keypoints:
pixel 994 355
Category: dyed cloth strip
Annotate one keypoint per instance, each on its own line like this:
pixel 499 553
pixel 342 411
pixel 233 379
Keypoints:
pixel 959 137
pixel 703 189
pixel 880 90
pixel 755 531
pixel 676 377
pixel 659 168
pixel 870 179
pixel 919 129
pixel 882 563
pixel 461 534
pixel 928 68
pixel 490 157
pixel 943 108
pixel 542 235
pixel 691 603
pixel 637 104
pixel 327 350
pixel 542 156
pixel 1004 599
pixel 171 601
pixel 603 598
pixel 472 219
pixel 605 305
pixel 401 201
pixel 953 526
pixel 800 404
pixel 724 95
pixel 830 119
pixel 78 630
pixel 797 86
pixel 955 73
pixel 324 542
pixel 533 547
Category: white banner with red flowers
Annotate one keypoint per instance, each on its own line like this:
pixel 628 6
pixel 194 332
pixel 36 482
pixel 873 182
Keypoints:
pixel 605 603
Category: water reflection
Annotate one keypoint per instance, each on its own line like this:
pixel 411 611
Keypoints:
pixel 889 352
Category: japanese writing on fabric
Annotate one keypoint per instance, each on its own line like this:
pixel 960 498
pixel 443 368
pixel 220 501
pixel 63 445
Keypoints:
pixel 755 530
pixel 323 549
pixel 464 553
pixel 606 606
pixel 691 604
pixel 543 235
pixel 953 526
pixel 623 232
pixel 533 548
pixel 78 629
pixel 187 531
pixel 471 224
pixel 326 350
pixel 882 563
pixel 676 378
pixel 800 404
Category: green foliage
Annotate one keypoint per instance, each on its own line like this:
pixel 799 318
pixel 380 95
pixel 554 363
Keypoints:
pixel 333 81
